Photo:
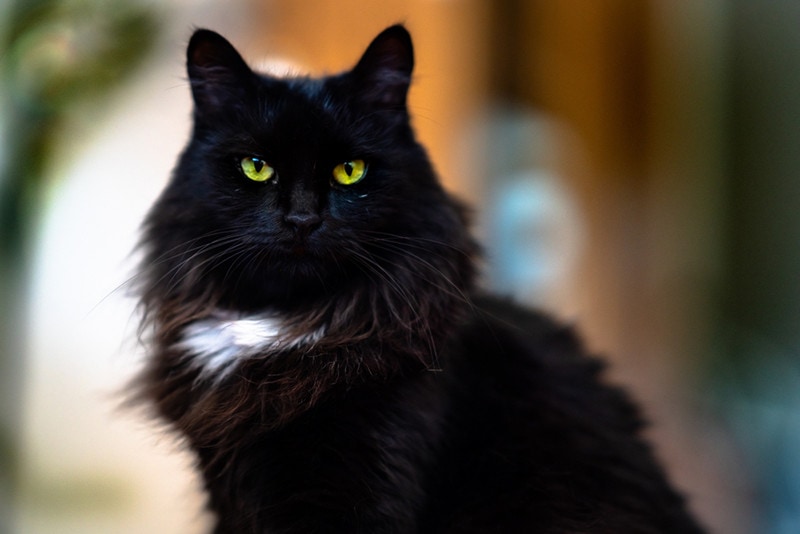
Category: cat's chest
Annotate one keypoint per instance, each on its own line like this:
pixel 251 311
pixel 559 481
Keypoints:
pixel 218 343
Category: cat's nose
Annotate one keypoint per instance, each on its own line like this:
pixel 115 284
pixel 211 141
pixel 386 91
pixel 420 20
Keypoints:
pixel 304 222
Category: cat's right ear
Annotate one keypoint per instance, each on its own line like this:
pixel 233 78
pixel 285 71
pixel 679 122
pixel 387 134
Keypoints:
pixel 218 75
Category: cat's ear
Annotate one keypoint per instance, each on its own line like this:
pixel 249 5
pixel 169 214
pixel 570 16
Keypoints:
pixel 383 73
pixel 217 73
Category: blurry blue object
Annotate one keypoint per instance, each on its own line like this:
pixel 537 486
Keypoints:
pixel 763 409
pixel 534 235
pixel 533 228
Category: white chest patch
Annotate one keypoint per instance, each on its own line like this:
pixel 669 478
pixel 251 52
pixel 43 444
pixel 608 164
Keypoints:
pixel 217 344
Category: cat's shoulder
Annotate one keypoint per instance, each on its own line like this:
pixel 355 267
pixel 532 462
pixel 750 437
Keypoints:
pixel 516 352
pixel 516 344
pixel 503 321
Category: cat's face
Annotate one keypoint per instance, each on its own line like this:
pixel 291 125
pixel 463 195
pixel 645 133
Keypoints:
pixel 293 189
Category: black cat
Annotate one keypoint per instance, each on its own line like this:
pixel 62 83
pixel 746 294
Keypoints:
pixel 316 336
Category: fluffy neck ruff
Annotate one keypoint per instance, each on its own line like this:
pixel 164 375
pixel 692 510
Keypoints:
pixel 217 374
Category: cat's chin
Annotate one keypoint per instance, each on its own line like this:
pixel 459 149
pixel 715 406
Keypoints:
pixel 297 281
pixel 300 250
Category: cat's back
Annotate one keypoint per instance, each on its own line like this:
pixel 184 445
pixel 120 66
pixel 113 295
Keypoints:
pixel 538 438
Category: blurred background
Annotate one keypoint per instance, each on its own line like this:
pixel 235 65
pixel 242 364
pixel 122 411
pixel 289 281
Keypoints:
pixel 634 167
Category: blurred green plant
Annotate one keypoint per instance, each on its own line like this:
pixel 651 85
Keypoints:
pixel 58 59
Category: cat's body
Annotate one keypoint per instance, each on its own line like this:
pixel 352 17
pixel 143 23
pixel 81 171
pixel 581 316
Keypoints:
pixel 317 339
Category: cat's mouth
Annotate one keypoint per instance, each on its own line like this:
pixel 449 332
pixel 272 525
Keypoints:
pixel 301 248
pixel 303 244
pixel 287 244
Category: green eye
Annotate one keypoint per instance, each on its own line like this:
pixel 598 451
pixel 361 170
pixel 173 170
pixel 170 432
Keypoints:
pixel 256 169
pixel 350 172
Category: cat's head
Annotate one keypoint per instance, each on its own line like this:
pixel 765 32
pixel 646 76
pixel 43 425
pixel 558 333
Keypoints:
pixel 298 190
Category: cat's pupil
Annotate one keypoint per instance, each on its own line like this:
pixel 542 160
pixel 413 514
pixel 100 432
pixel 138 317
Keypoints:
pixel 258 164
pixel 348 168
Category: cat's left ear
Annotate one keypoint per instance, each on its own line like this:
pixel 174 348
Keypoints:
pixel 383 73
pixel 219 76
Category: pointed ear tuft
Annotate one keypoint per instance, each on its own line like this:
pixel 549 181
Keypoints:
pixel 217 72
pixel 384 71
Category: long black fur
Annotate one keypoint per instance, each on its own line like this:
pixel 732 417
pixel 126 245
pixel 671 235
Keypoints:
pixel 425 407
